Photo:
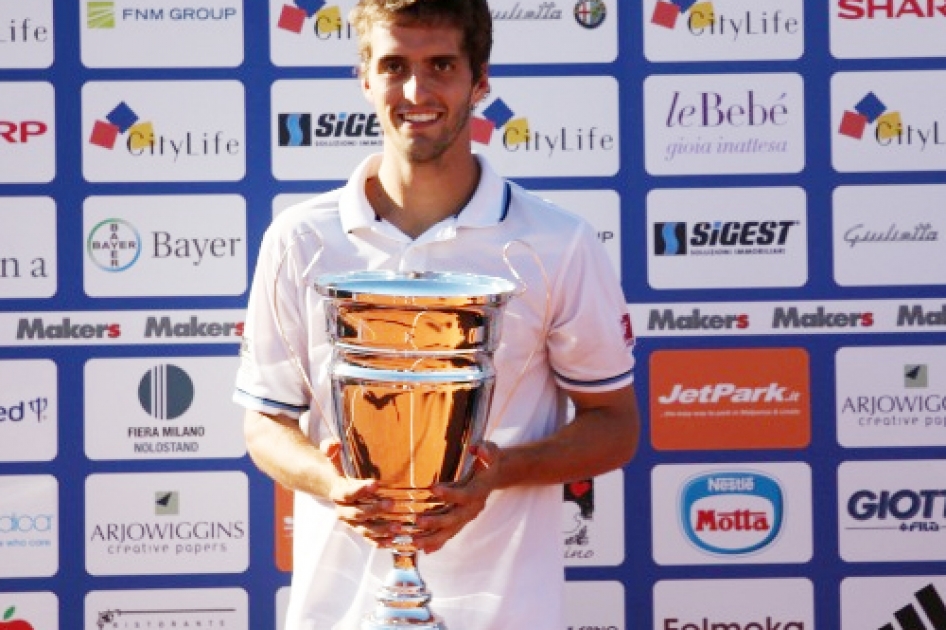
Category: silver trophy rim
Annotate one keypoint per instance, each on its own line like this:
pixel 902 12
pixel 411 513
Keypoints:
pixel 418 288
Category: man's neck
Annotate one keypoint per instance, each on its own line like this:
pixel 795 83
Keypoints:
pixel 415 197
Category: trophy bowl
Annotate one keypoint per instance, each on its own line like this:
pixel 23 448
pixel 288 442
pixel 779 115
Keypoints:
pixel 412 381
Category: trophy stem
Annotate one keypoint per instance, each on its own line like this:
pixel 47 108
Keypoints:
pixel 403 598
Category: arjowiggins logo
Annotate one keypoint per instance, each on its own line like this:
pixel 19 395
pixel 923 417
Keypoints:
pixel 722 238
pixel 590 13
pixel 732 513
pixel 519 135
pixel 166 392
pixel 113 245
pixel 326 21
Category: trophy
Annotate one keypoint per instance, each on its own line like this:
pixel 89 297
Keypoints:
pixel 412 380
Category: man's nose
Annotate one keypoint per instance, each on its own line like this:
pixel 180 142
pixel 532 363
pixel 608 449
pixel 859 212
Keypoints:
pixel 415 86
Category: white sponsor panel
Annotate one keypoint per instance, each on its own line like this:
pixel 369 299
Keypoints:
pixel 891 396
pixel 880 121
pixel 878 29
pixel 566 31
pixel 321 129
pixel 701 238
pixel 28 247
pixel 29 611
pixel 724 124
pixel 29 526
pixel 598 605
pixel 282 605
pixel 26 34
pixel 888 602
pixel 27 132
pixel 829 317
pixel 168 608
pixel 163 131
pixel 523 135
pixel 148 34
pixel 889 235
pixel 299 37
pixel 111 328
pixel 162 408
pixel 769 603
pixel 166 523
pixel 164 245
pixel 755 513
pixel 600 208
pixel 29 410
pixel 892 511
pixel 593 521
pixel 724 30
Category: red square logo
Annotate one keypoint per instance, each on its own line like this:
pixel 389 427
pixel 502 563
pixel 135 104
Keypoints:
pixel 665 14
pixel 481 130
pixel 291 19
pixel 853 125
pixel 104 134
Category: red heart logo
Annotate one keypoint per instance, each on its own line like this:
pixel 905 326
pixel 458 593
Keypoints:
pixel 579 488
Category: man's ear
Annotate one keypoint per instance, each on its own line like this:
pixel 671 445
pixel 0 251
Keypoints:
pixel 363 81
pixel 480 87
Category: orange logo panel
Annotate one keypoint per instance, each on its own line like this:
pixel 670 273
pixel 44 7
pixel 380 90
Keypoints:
pixel 283 525
pixel 730 399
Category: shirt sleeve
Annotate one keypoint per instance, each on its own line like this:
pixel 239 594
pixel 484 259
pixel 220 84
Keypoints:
pixel 590 340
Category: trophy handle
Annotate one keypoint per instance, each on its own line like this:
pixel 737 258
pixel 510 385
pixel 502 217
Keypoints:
pixel 294 358
pixel 524 287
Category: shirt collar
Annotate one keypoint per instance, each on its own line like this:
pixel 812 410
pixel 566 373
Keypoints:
pixel 487 206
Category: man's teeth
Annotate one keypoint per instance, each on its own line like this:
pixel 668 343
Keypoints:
pixel 420 117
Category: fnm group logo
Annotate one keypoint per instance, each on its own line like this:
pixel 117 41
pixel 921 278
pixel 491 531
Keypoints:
pixel 101 15
pixel 870 110
pixel 327 20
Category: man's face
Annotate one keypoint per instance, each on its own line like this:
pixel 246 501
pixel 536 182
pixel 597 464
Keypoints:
pixel 420 83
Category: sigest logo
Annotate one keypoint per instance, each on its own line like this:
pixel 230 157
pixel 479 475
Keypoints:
pixel 332 129
pixel 714 238
pixel 730 399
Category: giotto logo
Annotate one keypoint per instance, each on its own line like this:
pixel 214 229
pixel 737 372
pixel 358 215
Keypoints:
pixel 163 131
pixel 179 522
pixel 883 124
pixel 716 237
pixel 151 246
pixel 312 33
pixel 879 240
pixel 168 608
pixel 523 136
pixel 28 244
pixel 149 34
pixel 29 526
pixel 27 132
pixel 540 32
pixel 748 514
pixel 723 124
pixel 888 511
pixel 750 604
pixel 26 37
pixel 871 29
pixel 684 30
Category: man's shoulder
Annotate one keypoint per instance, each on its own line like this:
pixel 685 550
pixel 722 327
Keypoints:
pixel 312 210
pixel 544 211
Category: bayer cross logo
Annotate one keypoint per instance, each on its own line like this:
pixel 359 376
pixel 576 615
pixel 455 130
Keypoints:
pixel 113 245
pixel 166 392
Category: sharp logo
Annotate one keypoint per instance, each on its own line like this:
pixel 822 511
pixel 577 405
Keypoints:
pixel 908 617
pixel 890 9
pixel 21 131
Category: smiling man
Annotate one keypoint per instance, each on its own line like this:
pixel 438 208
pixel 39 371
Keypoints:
pixel 493 560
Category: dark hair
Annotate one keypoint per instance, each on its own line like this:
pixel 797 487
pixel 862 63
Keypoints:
pixel 472 17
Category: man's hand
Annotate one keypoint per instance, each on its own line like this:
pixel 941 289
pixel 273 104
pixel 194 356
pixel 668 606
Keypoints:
pixel 464 500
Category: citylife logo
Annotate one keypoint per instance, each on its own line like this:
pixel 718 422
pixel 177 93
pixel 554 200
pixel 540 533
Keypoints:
pixel 341 129
pixel 891 512
pixel 26 34
pixel 701 20
pixel 709 124
pixel 326 21
pixel 870 110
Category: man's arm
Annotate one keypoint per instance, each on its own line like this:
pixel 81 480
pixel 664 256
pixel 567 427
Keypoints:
pixel 281 450
pixel 603 436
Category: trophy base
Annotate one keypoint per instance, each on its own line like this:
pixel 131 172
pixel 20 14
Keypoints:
pixel 402 599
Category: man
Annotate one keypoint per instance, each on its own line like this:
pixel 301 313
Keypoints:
pixel 493 560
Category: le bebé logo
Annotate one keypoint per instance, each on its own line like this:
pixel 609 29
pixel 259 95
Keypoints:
pixel 141 138
pixel 703 20
pixel 517 135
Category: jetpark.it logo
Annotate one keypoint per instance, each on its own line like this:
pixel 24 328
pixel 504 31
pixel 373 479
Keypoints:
pixel 872 112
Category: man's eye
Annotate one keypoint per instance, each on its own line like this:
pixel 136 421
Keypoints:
pixel 443 66
pixel 392 67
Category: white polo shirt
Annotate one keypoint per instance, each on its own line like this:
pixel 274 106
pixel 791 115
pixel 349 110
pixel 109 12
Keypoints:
pixel 567 329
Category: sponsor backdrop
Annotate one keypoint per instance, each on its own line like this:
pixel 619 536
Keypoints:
pixel 767 178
